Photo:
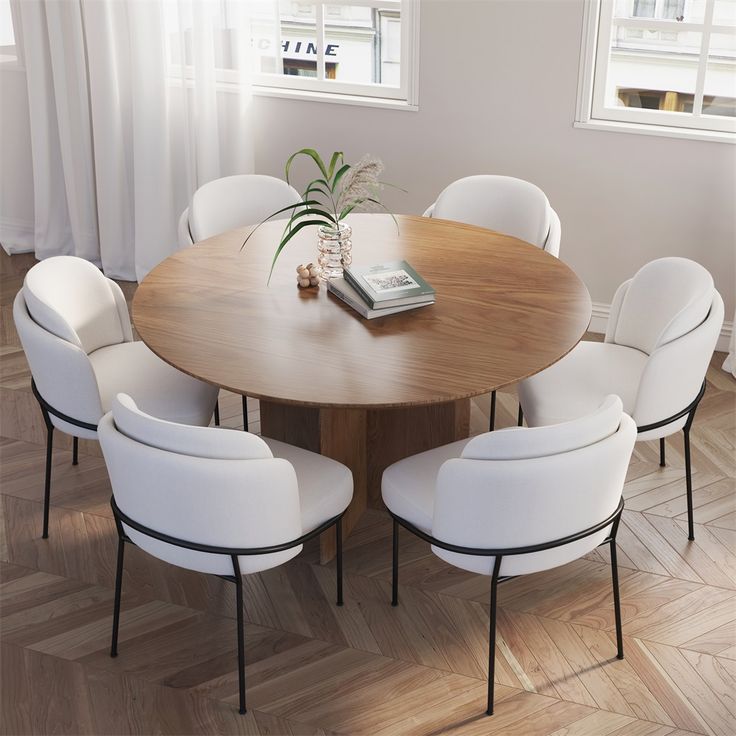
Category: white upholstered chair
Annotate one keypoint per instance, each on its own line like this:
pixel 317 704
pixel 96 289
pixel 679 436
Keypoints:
pixel 517 501
pixel 232 202
pixel 216 501
pixel 661 334
pixel 75 330
pixel 229 203
pixel 504 204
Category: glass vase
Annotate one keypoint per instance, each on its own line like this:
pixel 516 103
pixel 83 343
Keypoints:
pixel 335 250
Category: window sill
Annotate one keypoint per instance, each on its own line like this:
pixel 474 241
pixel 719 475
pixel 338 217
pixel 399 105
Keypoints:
pixel 331 97
pixel 662 131
pixel 259 90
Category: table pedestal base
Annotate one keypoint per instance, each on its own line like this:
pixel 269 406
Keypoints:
pixel 367 441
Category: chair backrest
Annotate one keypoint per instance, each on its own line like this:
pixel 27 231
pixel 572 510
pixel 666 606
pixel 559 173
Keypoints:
pixel 666 299
pixel 675 372
pixel 205 485
pixel 72 299
pixel 67 309
pixel 62 371
pixel 522 487
pixel 237 201
pixel 501 203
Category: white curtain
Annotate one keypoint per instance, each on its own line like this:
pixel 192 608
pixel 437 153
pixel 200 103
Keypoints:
pixel 127 121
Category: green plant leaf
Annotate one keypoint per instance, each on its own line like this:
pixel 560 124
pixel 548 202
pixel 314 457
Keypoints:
pixel 347 210
pixel 318 208
pixel 337 156
pixel 317 211
pixel 383 206
pixel 313 155
pixel 344 170
pixel 317 185
pixel 294 207
pixel 286 238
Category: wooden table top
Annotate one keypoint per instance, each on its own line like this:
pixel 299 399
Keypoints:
pixel 504 310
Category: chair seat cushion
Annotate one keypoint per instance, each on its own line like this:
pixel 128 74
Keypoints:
pixel 408 486
pixel 157 388
pixel 577 385
pixel 325 486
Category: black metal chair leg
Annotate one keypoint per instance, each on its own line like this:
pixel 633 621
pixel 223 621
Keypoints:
pixel 241 633
pixel 338 562
pixel 245 414
pixel 75 451
pixel 217 413
pixel 395 566
pixel 520 418
pixel 47 481
pixel 689 484
pixel 492 635
pixel 616 601
pixel 492 423
pixel 118 593
pixel 689 412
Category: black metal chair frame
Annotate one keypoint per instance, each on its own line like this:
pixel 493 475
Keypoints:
pixel 47 410
pixel 234 553
pixel 688 411
pixel 492 421
pixel 245 413
pixel 612 520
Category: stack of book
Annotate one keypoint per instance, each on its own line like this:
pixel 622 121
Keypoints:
pixel 383 289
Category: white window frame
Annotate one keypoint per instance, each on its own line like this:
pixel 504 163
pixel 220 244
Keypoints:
pixel 403 97
pixel 594 57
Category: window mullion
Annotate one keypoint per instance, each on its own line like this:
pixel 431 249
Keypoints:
pixel 703 62
pixel 406 29
pixel 602 56
pixel 319 14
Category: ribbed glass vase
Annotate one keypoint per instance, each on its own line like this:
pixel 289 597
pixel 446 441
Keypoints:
pixel 335 250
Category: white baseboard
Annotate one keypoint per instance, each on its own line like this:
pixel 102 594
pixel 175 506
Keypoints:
pixel 599 320
pixel 16 236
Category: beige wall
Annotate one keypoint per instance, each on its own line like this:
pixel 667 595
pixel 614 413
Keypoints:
pixel 498 83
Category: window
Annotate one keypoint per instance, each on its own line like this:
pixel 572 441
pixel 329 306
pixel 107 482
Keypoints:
pixel 355 48
pixel 664 64
pixel 8 49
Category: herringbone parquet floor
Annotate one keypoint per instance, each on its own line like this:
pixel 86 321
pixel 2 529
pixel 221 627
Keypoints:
pixel 365 668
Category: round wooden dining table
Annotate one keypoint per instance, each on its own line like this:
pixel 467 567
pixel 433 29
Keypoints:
pixel 364 392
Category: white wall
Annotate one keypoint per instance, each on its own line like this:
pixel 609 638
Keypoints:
pixel 498 83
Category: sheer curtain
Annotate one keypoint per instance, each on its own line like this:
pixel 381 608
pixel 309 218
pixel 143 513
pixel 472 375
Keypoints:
pixel 127 120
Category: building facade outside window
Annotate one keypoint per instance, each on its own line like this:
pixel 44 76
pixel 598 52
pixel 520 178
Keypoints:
pixel 661 63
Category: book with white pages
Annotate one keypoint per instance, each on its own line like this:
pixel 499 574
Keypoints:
pixel 393 284
pixel 344 291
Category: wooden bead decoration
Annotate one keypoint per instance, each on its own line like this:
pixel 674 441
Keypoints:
pixel 307 275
